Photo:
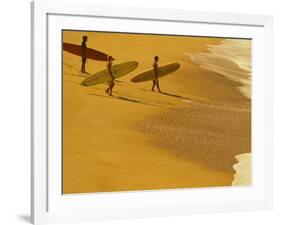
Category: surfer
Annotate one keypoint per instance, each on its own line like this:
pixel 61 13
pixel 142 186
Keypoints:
pixel 109 71
pixel 83 55
pixel 155 79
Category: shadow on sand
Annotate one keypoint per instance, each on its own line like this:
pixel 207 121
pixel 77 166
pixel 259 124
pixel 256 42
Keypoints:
pixel 167 94
pixel 129 99
pixel 175 96
pixel 126 99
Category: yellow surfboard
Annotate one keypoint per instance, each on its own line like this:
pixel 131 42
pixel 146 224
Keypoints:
pixel 162 71
pixel 118 70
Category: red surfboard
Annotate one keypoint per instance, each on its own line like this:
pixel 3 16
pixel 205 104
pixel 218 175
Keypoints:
pixel 90 53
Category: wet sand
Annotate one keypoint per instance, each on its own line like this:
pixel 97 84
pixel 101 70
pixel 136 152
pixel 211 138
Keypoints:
pixel 108 142
pixel 209 133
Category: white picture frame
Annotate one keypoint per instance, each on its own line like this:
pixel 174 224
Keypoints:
pixel 47 203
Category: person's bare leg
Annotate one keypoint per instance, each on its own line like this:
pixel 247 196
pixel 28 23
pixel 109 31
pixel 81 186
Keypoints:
pixel 83 68
pixel 111 88
pixel 157 84
pixel 107 90
pixel 152 89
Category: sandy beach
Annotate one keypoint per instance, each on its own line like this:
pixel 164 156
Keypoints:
pixel 186 137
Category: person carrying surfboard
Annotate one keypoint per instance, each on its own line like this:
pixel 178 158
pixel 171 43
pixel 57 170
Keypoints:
pixel 155 69
pixel 111 82
pixel 83 55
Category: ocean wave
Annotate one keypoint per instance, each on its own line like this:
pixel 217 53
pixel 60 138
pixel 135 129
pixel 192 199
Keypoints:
pixel 231 58
pixel 243 170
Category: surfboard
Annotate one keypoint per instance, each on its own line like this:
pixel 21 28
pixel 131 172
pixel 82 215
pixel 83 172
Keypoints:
pixel 90 53
pixel 118 70
pixel 162 71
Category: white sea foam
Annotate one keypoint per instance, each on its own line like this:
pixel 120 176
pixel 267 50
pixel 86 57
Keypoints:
pixel 231 58
pixel 243 170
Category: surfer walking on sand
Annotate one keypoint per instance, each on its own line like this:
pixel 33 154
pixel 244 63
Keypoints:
pixel 83 55
pixel 155 79
pixel 109 71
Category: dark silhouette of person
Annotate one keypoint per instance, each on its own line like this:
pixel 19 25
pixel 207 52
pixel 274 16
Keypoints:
pixel 155 79
pixel 83 55
pixel 111 82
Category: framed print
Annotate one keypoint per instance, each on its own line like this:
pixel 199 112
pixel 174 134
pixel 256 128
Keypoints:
pixel 146 112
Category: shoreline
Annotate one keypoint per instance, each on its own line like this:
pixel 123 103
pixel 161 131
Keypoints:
pixel 243 170
pixel 230 58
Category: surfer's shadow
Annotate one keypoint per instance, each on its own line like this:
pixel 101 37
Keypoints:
pixel 169 94
pixel 127 99
pixel 161 93
pixel 175 96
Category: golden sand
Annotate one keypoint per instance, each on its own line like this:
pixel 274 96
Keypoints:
pixel 106 143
